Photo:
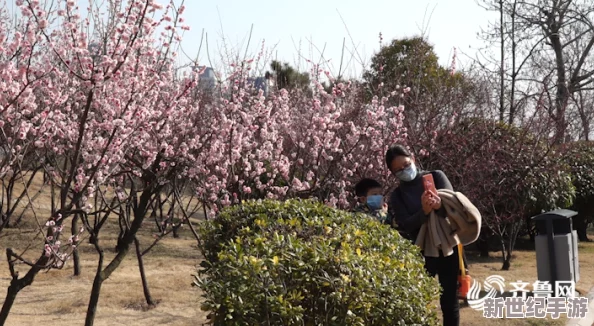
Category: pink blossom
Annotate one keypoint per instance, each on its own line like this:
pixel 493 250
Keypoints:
pixel 47 250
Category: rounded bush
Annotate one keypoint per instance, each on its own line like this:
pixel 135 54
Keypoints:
pixel 580 157
pixel 300 262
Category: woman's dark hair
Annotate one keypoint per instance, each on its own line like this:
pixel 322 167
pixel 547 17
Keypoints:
pixel 362 187
pixel 395 151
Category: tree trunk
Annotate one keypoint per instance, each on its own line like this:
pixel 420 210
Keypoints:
pixel 16 284
pixel 103 275
pixel 482 243
pixel 584 116
pixel 176 231
pixel 95 292
pixel 145 287
pixel 506 263
pixel 11 294
pixel 505 255
pixel 502 71
pixel 562 95
pixel 509 251
pixel 125 242
pixel 531 229
pixel 586 127
pixel 3 220
pixel 75 253
pixel 121 234
pixel 514 71
pixel 204 211
pixel 483 248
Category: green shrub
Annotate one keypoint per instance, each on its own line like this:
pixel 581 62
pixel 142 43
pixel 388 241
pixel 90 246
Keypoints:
pixel 300 262
pixel 580 157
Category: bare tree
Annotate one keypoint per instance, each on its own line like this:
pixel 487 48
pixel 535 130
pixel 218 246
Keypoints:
pixel 584 103
pixel 543 43
pixel 516 46
pixel 568 30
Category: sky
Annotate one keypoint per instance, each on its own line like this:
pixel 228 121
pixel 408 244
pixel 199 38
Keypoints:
pixel 294 31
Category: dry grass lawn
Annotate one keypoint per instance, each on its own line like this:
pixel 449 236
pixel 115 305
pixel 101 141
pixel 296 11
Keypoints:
pixel 58 298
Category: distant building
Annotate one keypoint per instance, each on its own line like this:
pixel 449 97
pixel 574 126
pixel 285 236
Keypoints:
pixel 265 83
pixel 94 48
pixel 260 83
pixel 95 51
pixel 207 79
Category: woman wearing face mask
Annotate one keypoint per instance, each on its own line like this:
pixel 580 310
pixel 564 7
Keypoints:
pixel 409 208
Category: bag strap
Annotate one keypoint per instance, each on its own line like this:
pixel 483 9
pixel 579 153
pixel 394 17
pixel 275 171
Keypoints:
pixel 461 259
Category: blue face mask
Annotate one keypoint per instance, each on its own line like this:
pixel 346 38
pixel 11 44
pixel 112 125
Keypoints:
pixel 375 202
pixel 408 174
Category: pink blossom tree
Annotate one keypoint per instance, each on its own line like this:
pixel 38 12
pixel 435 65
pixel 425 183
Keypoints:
pixel 98 103
pixel 92 114
pixel 293 145
pixel 507 172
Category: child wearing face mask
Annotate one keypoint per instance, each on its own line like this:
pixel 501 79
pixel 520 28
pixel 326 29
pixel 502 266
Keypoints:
pixel 371 200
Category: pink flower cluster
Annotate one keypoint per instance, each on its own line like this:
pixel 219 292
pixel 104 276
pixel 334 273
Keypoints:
pixel 293 145
pixel 114 105
pixel 57 252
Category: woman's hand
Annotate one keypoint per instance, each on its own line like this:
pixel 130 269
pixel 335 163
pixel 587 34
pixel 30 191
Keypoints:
pixel 430 202
pixel 436 201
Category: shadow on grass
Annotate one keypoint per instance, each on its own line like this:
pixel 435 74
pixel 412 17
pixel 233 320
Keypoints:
pixel 475 257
